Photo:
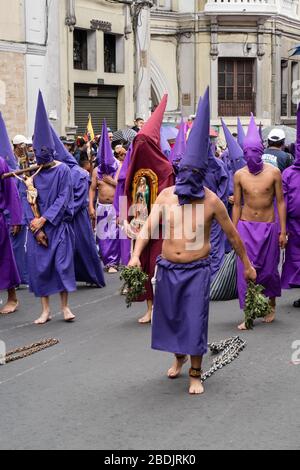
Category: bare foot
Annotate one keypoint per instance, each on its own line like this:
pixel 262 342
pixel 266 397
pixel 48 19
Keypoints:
pixel 176 369
pixel 44 318
pixel 68 315
pixel 10 307
pixel 145 320
pixel 243 327
pixel 112 271
pixel 270 318
pixel 196 387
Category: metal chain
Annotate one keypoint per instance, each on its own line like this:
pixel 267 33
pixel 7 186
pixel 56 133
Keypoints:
pixel 22 353
pixel 230 349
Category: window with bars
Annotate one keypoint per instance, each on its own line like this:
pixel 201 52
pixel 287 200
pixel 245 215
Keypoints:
pixel 236 87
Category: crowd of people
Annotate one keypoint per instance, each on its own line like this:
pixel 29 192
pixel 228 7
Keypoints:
pixel 199 217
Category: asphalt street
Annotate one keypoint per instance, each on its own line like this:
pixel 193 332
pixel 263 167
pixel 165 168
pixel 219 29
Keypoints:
pixel 104 388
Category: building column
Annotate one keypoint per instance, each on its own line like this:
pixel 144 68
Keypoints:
pixel 214 55
pixel 143 62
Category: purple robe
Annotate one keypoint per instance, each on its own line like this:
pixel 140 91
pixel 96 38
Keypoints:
pixel 108 235
pixel 181 307
pixel 216 180
pixel 9 201
pixel 86 259
pixel 291 268
pixel 262 245
pixel 51 270
pixel 125 243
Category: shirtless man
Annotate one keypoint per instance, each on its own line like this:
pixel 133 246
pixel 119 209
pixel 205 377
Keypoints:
pixel 182 294
pixel 256 187
pixel 196 293
pixel 104 183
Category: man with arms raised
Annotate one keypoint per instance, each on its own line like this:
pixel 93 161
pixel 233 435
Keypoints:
pixel 181 306
pixel 256 187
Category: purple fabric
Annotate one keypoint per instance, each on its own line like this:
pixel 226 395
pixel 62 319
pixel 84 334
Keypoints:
pixel 262 245
pixel 125 243
pixel 164 144
pixel 51 270
pixel 9 201
pixel 62 154
pixel 189 183
pixel 180 146
pixel 291 268
pixel 241 134
pixel 43 143
pixel 297 149
pixel 88 266
pixel 253 149
pixel 19 245
pixel 107 164
pixel 181 307
pixel 235 152
pixel 108 235
pixel 217 180
pixel 6 151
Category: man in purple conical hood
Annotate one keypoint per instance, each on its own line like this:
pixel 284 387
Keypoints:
pixel 51 238
pixel 104 181
pixel 291 185
pixel 181 304
pixel 255 188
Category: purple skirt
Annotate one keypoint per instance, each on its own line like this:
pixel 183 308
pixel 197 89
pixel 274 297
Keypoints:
pixel 9 275
pixel 262 245
pixel 291 269
pixel 181 307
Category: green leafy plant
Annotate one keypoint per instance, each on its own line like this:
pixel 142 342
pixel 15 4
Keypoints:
pixel 134 284
pixel 257 305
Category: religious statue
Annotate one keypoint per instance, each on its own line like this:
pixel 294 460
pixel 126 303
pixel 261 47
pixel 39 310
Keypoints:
pixel 141 208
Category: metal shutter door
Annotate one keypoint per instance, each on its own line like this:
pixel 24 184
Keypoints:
pixel 103 106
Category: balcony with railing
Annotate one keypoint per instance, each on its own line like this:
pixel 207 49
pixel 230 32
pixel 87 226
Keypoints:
pixel 253 7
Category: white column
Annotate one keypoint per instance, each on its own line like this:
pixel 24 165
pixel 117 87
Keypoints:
pixel 143 68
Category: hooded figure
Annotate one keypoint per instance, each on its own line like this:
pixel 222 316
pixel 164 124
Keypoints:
pixel 260 238
pixel 107 163
pixel 180 146
pixel 291 186
pixel 9 201
pixel 241 133
pixel 147 155
pixel 107 230
pixel 86 259
pixel 120 198
pixel 194 164
pixel 181 307
pixel 235 152
pixel 51 269
pixel 253 149
pixel 18 241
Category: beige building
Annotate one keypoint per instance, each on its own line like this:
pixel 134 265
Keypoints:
pixel 116 59
pixel 242 49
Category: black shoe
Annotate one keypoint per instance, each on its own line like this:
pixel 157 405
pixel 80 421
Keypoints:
pixel 296 304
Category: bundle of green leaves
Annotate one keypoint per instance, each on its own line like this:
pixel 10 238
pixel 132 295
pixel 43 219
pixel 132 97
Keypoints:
pixel 257 305
pixel 134 284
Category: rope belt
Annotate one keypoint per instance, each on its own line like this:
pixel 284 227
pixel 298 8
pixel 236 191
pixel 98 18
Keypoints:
pixel 29 350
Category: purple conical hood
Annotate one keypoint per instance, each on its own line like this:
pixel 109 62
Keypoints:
pixel 196 154
pixel 164 144
pixel 194 164
pixel 107 164
pixel 241 133
pixel 43 143
pixel 62 153
pixel 6 151
pixel 180 145
pixel 253 148
pixel 236 154
pixel 297 160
